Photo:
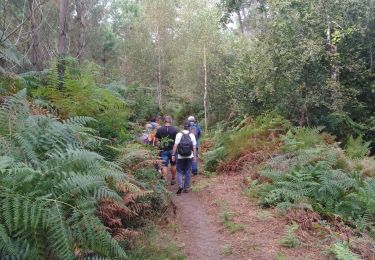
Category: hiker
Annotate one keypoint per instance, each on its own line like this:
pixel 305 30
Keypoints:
pixel 196 130
pixel 155 122
pixel 165 136
pixel 185 150
pixel 154 127
pixel 144 138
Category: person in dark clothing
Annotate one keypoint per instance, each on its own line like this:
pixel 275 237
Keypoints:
pixel 196 130
pixel 166 136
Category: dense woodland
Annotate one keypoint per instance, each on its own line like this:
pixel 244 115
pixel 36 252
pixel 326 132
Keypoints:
pixel 289 81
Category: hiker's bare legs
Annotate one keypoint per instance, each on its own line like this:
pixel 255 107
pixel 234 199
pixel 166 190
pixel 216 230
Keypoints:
pixel 164 171
pixel 173 172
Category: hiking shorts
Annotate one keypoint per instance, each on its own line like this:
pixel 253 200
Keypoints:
pixel 166 157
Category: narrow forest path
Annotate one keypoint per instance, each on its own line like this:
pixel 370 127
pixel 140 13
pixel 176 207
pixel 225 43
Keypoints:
pixel 246 232
pixel 201 238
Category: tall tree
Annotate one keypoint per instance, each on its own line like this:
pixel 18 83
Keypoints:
pixel 63 28
pixel 61 44
pixel 34 36
pixel 81 19
pixel 197 41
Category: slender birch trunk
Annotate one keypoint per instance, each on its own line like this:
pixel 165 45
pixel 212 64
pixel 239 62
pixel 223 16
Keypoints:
pixel 205 87
pixel 158 86
pixel 240 21
pixel 337 104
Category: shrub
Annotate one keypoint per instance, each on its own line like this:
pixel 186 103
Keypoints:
pixel 254 136
pixel 213 158
pixel 81 96
pixel 51 187
pixel 314 177
pixel 356 148
pixel 302 138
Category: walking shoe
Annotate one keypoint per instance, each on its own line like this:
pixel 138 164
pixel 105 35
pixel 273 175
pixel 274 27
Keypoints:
pixel 173 182
pixel 186 191
pixel 179 191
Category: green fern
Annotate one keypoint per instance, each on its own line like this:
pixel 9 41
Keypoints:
pixel 302 138
pixel 290 239
pixel 356 148
pixel 51 186
pixel 342 252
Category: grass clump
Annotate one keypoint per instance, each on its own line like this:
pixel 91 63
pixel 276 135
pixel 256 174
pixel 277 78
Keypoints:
pixel 281 256
pixel 226 218
pixel 263 215
pixel 201 185
pixel 153 246
pixel 227 250
pixel 290 239
pixel 252 190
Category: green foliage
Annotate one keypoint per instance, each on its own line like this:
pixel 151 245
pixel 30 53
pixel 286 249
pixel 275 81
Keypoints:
pixel 150 180
pixel 226 217
pixel 312 177
pixel 9 54
pixel 290 239
pixel 342 252
pixel 251 137
pixel 213 158
pixel 356 148
pixel 253 189
pixel 297 73
pixel 302 138
pixel 156 245
pixel 142 104
pixel 281 256
pixel 51 186
pixel 81 96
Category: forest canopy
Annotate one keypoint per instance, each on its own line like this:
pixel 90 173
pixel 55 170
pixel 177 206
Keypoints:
pixel 311 61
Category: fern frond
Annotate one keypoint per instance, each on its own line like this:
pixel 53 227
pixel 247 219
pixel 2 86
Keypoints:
pixel 342 252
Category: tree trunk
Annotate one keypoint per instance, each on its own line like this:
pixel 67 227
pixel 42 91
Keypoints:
pixel 82 29
pixel 240 20
pixel 159 82
pixel 34 37
pixel 205 87
pixel 63 27
pixel 371 60
pixel 61 47
pixel 337 104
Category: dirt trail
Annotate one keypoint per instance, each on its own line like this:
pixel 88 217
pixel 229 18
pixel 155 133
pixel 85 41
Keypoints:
pixel 202 234
pixel 201 237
